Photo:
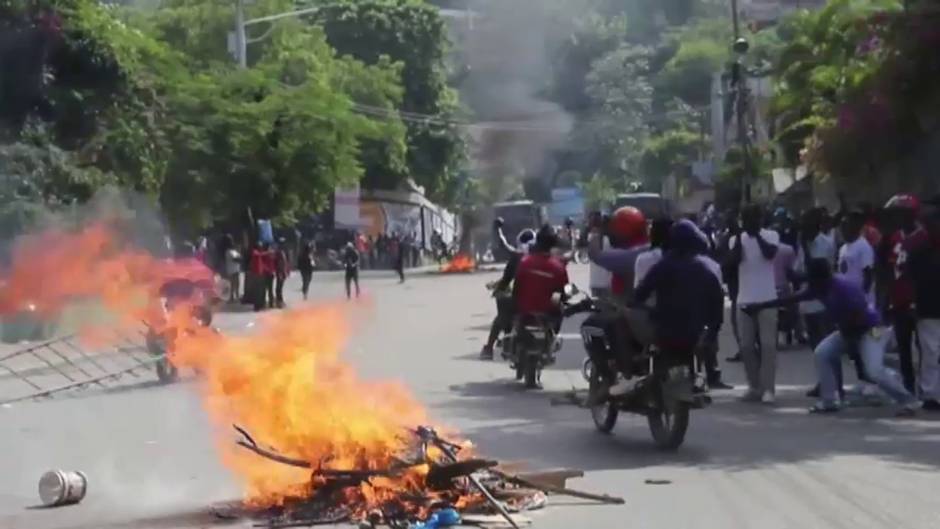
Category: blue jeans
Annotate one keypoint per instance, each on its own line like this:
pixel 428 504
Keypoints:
pixel 872 350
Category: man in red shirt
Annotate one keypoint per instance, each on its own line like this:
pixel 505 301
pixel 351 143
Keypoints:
pixel 903 210
pixel 539 277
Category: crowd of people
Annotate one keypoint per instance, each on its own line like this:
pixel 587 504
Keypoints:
pixel 257 273
pixel 848 284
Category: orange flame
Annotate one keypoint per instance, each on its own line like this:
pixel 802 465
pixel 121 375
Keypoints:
pixel 460 263
pixel 52 269
pixel 288 386
pixel 286 383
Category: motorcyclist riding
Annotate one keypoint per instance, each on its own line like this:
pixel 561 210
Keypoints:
pixel 628 235
pixel 689 298
pixel 501 289
pixel 539 278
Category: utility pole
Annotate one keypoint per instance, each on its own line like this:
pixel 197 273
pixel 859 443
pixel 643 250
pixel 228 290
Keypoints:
pixel 739 85
pixel 241 39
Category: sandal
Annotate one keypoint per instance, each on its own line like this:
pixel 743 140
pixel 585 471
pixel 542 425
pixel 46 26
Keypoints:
pixel 824 408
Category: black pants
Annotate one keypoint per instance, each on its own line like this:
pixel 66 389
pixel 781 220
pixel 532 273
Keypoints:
pixel 712 371
pixel 400 268
pixel 279 289
pixel 618 348
pixel 267 295
pixel 352 276
pixel 904 324
pixel 503 320
pixel 305 277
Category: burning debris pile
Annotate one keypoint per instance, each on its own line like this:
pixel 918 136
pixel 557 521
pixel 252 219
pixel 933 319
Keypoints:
pixel 432 478
pixel 461 263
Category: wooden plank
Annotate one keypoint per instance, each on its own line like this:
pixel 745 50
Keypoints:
pixel 494 521
pixel 553 478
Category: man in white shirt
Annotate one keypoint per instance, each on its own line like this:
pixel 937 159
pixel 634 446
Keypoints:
pixel 856 257
pixel 753 250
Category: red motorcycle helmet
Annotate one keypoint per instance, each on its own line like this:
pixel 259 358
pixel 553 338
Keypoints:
pixel 628 226
pixel 903 201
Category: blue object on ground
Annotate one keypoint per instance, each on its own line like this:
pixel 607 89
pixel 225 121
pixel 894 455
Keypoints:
pixel 441 518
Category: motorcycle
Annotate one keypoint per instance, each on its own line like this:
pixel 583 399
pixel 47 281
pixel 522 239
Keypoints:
pixel 159 340
pixel 530 345
pixel 662 388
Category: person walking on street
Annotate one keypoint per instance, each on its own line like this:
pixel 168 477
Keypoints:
pixel 232 268
pixel 398 254
pixel 902 211
pixel 305 264
pixel 753 251
pixel 859 326
pixel 923 267
pixel 351 264
pixel 729 275
pixel 281 270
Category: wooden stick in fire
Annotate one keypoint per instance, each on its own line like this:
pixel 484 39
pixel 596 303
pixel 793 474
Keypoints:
pixel 428 434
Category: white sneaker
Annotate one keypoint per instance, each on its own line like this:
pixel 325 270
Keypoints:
pixel 768 397
pixel 622 387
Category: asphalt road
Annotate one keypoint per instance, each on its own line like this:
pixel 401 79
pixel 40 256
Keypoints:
pixel 149 456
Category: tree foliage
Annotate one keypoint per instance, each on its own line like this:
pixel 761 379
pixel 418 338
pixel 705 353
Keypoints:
pixel 855 82
pixel 151 100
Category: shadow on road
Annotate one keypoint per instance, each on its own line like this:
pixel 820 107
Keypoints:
pixel 732 436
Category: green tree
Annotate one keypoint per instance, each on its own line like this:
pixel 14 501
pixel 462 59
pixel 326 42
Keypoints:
pixel 414 35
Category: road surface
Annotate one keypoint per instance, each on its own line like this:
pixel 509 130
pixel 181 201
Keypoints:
pixel 148 450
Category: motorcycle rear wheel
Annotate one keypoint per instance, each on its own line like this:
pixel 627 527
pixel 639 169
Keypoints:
pixel 669 422
pixel 604 414
pixel 531 368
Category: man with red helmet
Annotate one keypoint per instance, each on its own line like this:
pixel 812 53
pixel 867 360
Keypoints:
pixel 628 235
pixel 902 213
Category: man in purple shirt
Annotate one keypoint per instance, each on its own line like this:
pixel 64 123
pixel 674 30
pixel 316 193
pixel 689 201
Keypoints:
pixel 857 324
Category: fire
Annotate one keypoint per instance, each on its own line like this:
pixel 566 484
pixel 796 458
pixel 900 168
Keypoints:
pixel 54 268
pixel 286 382
pixel 460 263
pixel 288 385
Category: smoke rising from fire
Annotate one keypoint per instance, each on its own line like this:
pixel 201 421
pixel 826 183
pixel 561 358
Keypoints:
pixel 508 51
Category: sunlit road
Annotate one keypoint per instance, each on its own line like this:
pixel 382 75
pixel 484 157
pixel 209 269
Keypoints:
pixel 148 451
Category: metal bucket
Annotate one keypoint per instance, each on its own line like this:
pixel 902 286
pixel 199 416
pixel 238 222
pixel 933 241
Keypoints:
pixel 60 487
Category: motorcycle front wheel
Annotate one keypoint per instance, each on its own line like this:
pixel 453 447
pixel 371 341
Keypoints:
pixel 604 414
pixel 166 372
pixel 668 421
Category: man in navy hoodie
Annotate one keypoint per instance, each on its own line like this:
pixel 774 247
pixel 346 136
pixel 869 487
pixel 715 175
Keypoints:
pixel 689 298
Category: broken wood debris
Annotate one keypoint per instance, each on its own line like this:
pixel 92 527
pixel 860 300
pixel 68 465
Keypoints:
pixel 474 483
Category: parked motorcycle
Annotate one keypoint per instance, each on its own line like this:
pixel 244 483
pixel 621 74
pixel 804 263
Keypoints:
pixel 662 388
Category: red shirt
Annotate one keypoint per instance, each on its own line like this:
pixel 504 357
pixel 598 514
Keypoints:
pixel 537 278
pixel 262 262
pixel 901 289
